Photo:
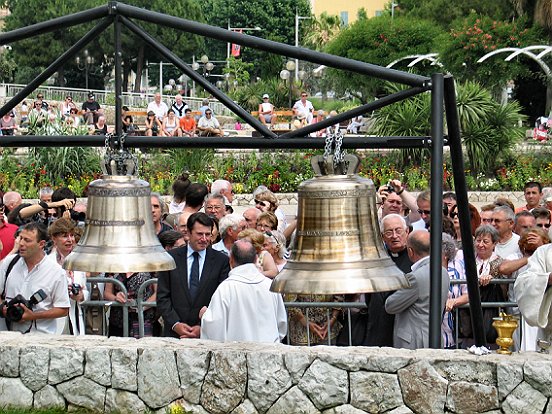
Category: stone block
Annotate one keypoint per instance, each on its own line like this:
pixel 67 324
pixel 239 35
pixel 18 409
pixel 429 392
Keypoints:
pixel 343 409
pixel 375 392
pixel 225 382
pixel 123 369
pixel 98 365
pixel 83 392
pixel 296 363
pixel 469 370
pixel 508 377
pixel 158 383
pixel 293 401
pixel 423 389
pixel 538 374
pixel 123 402
pixel 34 362
pixel 245 407
pixel 48 397
pixel 9 361
pixel 13 393
pixel 524 399
pixel 267 379
pixel 65 363
pixel 325 385
pixel 192 367
pixel 468 397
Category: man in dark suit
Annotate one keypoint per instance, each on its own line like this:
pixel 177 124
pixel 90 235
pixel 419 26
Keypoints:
pixel 182 292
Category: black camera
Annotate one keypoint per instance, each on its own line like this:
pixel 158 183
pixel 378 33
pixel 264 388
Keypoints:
pixel 390 188
pixel 75 289
pixel 15 313
pixel 78 216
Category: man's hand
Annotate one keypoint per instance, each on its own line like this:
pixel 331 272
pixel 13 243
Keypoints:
pixel 68 203
pixel 202 311
pixel 28 314
pixel 184 330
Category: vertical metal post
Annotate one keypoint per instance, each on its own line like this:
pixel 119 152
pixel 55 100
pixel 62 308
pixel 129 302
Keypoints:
pixel 435 300
pixel 118 79
pixel 455 144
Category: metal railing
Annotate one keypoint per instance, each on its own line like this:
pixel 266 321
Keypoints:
pixel 346 307
pixel 106 97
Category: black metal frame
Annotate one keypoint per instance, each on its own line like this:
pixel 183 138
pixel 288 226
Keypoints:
pixel 441 89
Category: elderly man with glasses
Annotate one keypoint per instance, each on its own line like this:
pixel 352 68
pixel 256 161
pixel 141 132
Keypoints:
pixel 209 126
pixel 503 222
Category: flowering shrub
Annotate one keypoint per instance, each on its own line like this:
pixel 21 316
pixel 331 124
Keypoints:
pixel 282 172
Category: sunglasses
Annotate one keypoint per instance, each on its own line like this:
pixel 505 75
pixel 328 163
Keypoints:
pixel 426 212
pixel 262 203
pixel 453 214
pixel 207 113
pixel 40 97
pixel 543 225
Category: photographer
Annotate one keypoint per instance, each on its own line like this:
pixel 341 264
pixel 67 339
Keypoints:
pixel 63 235
pixel 38 280
pixel 396 200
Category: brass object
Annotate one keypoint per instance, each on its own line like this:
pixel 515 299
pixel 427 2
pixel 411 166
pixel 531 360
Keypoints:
pixel 338 247
pixel 119 236
pixel 505 326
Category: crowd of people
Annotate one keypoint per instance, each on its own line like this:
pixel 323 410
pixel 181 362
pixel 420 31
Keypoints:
pixel 220 288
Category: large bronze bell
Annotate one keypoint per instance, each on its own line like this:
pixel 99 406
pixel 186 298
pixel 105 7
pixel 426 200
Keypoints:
pixel 338 247
pixel 119 236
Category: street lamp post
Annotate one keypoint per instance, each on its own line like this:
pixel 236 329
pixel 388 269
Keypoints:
pixel 87 62
pixel 297 18
pixel 285 74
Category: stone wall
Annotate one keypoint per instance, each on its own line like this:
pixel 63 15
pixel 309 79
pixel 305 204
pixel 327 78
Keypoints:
pixel 134 376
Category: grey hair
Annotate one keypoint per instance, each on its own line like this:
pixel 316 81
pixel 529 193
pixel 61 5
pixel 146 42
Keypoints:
pixel 281 240
pixel 391 216
pixel 488 230
pixel 230 220
pixel 161 201
pixel 506 210
pixel 449 247
pixel 46 191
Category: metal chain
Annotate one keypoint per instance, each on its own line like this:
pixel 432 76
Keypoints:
pixel 328 146
pixel 338 154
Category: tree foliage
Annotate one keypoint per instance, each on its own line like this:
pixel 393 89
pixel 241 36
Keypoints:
pixel 474 37
pixel 379 41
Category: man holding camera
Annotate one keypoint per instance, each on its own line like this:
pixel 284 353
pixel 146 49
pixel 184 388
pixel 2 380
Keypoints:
pixel 33 286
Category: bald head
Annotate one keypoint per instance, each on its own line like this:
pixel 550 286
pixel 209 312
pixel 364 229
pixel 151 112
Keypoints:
pixel 243 252
pixel 418 244
pixel 251 215
pixel 12 199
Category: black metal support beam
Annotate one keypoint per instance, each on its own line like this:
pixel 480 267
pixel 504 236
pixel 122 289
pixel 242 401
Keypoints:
pixel 360 142
pixel 271 46
pixel 455 142
pixel 179 63
pixel 59 62
pixel 435 298
pixel 118 78
pixel 359 110
pixel 59 23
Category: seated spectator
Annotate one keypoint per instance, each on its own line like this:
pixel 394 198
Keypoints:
pixel 209 126
pixel 129 127
pixel 37 115
pixel 170 126
pixel 73 119
pixel 8 125
pixel 153 126
pixel 101 127
pixel 188 124
pixel 354 125
pixel 43 103
pixel 158 107
pixel 66 106
pixel 179 106
pixel 91 109
pixel 319 117
pixel 267 115
pixel 204 106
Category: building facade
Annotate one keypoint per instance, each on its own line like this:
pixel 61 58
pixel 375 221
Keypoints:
pixel 348 10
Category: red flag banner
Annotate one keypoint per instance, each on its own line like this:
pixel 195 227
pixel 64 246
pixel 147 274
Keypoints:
pixel 236 49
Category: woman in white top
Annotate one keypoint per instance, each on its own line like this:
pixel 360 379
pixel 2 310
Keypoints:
pixel 170 125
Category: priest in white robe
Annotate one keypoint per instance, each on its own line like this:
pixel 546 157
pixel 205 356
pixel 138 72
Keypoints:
pixel 243 308
pixel 533 292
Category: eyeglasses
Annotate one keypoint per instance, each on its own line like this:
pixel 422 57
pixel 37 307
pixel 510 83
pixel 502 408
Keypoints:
pixel 398 232
pixel 547 225
pixel 498 220
pixel 426 212
pixel 214 207
pixel 487 220
pixel 69 99
pixel 453 214
pixel 304 96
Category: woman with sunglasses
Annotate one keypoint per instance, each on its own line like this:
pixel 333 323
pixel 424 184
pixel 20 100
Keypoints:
pixel 66 106
pixel 266 201
pixel 475 221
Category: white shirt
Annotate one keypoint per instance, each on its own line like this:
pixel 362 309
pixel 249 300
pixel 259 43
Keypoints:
pixel 220 246
pixel 208 123
pixel 244 309
pixel 306 109
pixel 159 110
pixel 46 275
pixel 508 248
